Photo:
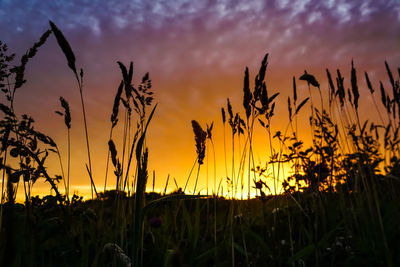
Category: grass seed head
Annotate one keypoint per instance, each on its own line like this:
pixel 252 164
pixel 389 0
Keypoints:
pixel 229 106
pixel 223 115
pixel 113 152
pixel 383 95
pixel 310 79
pixel 209 130
pixel 64 45
pixel 67 112
pixel 114 115
pixel 247 94
pixel 200 137
pixel 371 89
pixel 340 88
pixel 264 98
pixel 354 86
pixel 331 85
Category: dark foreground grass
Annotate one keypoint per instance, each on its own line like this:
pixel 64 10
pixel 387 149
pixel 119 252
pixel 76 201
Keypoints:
pixel 303 229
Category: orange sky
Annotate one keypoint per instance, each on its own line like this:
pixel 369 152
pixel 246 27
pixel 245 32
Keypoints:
pixel 196 54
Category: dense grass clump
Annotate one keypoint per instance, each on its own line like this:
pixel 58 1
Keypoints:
pixel 338 207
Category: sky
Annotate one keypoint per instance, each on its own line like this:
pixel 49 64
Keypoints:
pixel 196 53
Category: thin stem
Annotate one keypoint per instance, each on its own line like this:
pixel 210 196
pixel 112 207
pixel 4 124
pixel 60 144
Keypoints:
pixel 226 165
pixel 69 161
pixel 62 170
pixel 80 84
pixel 191 170
pixel 124 144
pixel 108 161
pixel 3 178
pixel 197 178
pixel 233 164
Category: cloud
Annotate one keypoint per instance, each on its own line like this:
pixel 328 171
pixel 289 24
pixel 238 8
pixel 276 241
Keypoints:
pixel 177 37
pixel 160 13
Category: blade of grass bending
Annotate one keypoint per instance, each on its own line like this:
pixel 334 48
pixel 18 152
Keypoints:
pixel 197 178
pixel 301 105
pixel 190 173
pixel 91 180
pixel 141 140
pixel 154 178
pixel 176 184
pixel 130 159
pixel 166 185
pixel 139 195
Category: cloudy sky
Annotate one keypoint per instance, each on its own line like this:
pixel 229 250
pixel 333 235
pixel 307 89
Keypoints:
pixel 196 53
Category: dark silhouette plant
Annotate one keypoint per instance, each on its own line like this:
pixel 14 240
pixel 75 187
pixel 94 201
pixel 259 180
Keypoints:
pixel 19 138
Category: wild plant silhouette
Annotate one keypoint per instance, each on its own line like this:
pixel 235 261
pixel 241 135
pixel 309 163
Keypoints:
pixel 338 206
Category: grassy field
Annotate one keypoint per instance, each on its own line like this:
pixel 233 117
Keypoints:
pixel 339 207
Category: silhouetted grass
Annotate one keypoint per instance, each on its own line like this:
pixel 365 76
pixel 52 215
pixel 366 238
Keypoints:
pixel 338 206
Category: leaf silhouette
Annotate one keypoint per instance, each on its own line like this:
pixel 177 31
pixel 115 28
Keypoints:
pixel 209 130
pixel 272 97
pixel 363 128
pixel 139 145
pixel 301 105
pixel 271 112
pixel 6 110
pixel 64 45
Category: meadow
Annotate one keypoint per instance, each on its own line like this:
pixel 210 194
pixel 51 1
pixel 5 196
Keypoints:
pixel 339 206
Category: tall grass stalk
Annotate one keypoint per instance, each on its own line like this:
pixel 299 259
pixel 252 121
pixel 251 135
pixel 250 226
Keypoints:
pixel 114 121
pixel 142 175
pixel 66 48
pixel 200 139
pixel 67 120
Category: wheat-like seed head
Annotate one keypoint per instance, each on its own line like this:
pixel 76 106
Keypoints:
pixel 200 137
